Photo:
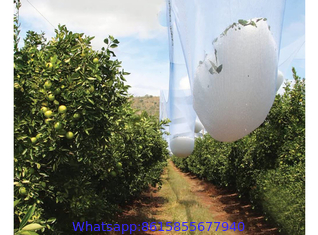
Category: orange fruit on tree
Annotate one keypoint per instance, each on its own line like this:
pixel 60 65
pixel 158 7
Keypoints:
pixel 48 113
pixel 48 84
pixel 69 135
pixel 62 109
pixel 51 97
pixel 33 140
pixel 58 126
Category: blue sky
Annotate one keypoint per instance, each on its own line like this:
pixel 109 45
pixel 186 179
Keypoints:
pixel 143 45
pixel 293 29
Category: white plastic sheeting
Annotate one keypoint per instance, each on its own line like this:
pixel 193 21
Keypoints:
pixel 182 118
pixel 164 113
pixel 198 126
pixel 182 146
pixel 181 112
pixel 231 52
pixel 280 80
pixel 198 135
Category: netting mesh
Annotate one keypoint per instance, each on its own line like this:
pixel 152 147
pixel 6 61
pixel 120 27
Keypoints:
pixel 181 112
pixel 231 51
pixel 286 56
pixel 164 114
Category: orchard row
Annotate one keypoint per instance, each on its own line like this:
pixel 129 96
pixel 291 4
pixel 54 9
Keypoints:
pixel 80 151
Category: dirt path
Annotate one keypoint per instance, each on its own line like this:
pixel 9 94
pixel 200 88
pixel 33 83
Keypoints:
pixel 185 198
pixel 227 206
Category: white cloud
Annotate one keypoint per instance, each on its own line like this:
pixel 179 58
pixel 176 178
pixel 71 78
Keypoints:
pixel 149 82
pixel 147 76
pixel 120 18
pixel 136 23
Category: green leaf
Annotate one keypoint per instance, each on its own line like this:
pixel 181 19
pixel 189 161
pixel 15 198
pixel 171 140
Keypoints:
pixel 88 129
pixel 91 38
pixel 106 40
pixel 22 137
pixel 27 216
pixel 16 202
pixel 92 102
pixel 243 22
pixel 75 48
pixel 51 220
pixel 92 79
pixel 253 23
pixel 32 227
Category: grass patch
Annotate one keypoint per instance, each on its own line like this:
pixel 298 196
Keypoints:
pixel 182 205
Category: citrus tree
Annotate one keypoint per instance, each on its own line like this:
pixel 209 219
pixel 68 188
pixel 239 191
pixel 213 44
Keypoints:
pixel 80 151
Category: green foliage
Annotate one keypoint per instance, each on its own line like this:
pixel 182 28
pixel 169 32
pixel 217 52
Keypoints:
pixel 113 153
pixel 267 166
pixel 29 229
pixel 281 194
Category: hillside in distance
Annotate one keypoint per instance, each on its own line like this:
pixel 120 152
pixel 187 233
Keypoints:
pixel 147 103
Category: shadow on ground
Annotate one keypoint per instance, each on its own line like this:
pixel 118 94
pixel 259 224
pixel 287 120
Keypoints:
pixel 142 211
